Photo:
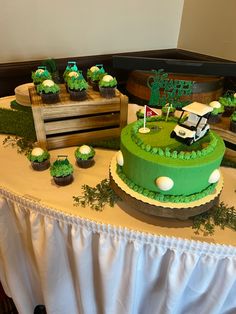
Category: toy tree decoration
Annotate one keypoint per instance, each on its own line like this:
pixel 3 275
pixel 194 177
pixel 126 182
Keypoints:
pixel 155 83
pixel 165 90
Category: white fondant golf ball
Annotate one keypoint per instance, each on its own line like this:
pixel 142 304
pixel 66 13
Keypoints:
pixel 94 68
pixel 107 78
pixel 48 83
pixel 84 149
pixel 73 74
pixel 215 104
pixel 39 71
pixel 234 95
pixel 37 151
pixel 120 158
pixel 164 183
pixel 214 177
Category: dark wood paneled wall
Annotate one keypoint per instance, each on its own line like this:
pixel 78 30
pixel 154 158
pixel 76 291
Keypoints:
pixel 17 73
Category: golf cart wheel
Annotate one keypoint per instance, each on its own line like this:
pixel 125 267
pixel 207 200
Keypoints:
pixel 189 141
pixel 172 134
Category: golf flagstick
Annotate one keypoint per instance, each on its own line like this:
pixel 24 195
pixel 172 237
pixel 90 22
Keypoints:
pixel 148 112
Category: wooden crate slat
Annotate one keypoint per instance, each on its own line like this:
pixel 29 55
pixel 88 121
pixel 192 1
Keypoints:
pixel 123 110
pixel 81 138
pixel 78 124
pixel 72 110
pixel 39 127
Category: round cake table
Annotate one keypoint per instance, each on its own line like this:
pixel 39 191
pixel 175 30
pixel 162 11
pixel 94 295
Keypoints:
pixel 118 260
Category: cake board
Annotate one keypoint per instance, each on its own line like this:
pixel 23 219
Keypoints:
pixel 22 94
pixel 149 206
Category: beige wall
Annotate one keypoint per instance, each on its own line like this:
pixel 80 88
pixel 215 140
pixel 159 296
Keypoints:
pixel 209 27
pixel 33 29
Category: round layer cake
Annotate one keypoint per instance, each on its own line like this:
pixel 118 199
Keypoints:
pixel 162 168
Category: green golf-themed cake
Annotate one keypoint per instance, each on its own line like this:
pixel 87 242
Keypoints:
pixel 165 168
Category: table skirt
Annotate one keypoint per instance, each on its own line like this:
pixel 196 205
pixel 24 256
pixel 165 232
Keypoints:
pixel 75 265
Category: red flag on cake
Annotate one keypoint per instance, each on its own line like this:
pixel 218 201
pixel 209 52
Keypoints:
pixel 150 112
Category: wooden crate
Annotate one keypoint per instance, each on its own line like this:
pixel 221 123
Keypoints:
pixel 70 123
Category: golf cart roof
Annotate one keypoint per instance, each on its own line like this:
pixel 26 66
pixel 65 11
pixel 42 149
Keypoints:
pixel 198 108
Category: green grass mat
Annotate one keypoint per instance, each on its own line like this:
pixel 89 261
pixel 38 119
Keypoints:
pixel 16 106
pixel 17 122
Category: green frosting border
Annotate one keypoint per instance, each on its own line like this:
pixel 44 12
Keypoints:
pixel 164 197
pixel 167 152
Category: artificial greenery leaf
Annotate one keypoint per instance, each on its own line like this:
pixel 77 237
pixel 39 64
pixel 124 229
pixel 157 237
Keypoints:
pixel 96 197
pixel 220 215
pixel 23 145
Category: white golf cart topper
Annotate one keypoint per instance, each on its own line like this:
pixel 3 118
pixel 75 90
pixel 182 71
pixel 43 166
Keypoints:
pixel 195 126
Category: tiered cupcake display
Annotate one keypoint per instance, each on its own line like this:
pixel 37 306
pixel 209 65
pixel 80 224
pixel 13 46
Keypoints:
pixel 49 91
pixel 85 156
pixel 62 171
pixel 94 75
pixel 39 158
pixel 40 75
pixel 107 86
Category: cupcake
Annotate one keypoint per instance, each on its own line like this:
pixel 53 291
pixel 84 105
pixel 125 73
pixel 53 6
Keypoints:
pixel 233 122
pixel 77 88
pixel 39 158
pixel 228 100
pixel 40 75
pixel 107 86
pixel 140 113
pixel 216 114
pixel 49 91
pixel 72 74
pixel 62 171
pixel 94 75
pixel 71 67
pixel 85 156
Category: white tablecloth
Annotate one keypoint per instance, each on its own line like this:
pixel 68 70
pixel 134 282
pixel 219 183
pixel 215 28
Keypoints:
pixel 76 260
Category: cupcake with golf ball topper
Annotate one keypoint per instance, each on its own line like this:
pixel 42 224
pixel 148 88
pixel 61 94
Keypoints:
pixel 49 91
pixel 107 86
pixel 39 158
pixel 85 156
pixel 216 114
pixel 94 75
pixel 71 75
pixel 71 67
pixel 40 75
pixel 77 87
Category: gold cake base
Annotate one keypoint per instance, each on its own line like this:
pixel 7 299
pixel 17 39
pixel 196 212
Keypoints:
pixel 162 209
